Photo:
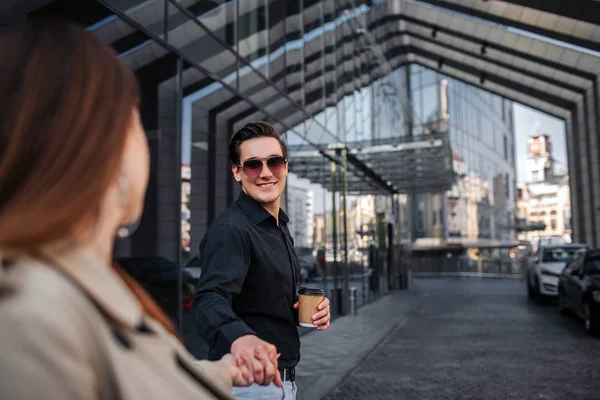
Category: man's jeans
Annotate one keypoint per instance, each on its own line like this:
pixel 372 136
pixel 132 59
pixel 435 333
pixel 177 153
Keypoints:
pixel 271 392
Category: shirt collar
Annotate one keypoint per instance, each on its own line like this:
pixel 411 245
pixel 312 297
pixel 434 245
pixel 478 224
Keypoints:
pixel 256 212
pixel 100 282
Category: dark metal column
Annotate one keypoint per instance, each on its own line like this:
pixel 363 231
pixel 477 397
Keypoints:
pixel 342 153
pixel 236 35
pixel 413 205
pixel 178 133
pixel 336 266
pixel 325 269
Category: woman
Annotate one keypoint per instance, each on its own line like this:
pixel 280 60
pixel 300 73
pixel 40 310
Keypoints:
pixel 74 166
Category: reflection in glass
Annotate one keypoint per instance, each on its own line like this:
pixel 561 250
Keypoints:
pixel 252 33
pixel 219 16
pixel 480 203
pixel 149 15
pixel 201 48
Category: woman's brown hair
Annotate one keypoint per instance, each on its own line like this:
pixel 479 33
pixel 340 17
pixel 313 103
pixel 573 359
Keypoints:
pixel 67 102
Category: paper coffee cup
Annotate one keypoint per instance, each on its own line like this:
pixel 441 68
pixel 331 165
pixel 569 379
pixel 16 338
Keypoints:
pixel 309 299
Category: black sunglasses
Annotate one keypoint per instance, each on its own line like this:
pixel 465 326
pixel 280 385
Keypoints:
pixel 253 167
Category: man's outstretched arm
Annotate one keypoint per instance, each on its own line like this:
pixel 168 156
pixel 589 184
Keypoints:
pixel 225 258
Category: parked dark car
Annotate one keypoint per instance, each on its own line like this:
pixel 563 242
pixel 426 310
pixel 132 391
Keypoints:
pixel 159 277
pixel 579 288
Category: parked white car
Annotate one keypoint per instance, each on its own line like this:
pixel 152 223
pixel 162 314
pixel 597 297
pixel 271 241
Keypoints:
pixel 545 268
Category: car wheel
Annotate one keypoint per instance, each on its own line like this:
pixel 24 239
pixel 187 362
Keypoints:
pixel 591 326
pixel 530 290
pixel 562 303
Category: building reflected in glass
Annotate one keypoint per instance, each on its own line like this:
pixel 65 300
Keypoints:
pixel 481 204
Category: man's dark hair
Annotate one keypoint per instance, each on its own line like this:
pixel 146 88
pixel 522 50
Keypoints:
pixel 252 130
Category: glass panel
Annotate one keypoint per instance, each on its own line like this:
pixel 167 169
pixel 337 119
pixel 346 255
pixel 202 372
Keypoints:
pixel 331 119
pixel 276 34
pixel 200 47
pixel 252 29
pixel 368 113
pixel 313 48
pixel 295 50
pixel 350 118
pixel 293 22
pixel 316 132
pixel 313 74
pixel 429 113
pixel 251 84
pixel 428 77
pixel 213 117
pixel 149 15
pixel 151 254
pixel 219 16
pixel 310 208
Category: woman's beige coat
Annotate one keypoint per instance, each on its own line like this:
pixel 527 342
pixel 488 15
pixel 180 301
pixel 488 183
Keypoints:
pixel 90 339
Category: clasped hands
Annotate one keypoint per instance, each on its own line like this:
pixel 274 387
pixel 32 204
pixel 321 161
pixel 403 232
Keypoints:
pixel 252 360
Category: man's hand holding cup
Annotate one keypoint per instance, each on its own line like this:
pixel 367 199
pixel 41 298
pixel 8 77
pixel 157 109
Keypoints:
pixel 313 309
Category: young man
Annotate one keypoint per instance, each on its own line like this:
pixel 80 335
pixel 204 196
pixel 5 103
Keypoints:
pixel 246 301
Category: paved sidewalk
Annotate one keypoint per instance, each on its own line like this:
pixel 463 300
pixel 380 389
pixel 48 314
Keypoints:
pixel 327 357
pixel 472 339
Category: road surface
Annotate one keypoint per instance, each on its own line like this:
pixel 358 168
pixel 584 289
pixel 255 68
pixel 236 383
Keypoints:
pixel 478 339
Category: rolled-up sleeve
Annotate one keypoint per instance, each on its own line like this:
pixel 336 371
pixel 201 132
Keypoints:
pixel 225 256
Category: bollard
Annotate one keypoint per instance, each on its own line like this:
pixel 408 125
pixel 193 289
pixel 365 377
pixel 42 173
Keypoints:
pixel 339 301
pixel 353 301
pixel 333 304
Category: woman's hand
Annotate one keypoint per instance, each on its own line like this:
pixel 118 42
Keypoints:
pixel 257 360
pixel 237 378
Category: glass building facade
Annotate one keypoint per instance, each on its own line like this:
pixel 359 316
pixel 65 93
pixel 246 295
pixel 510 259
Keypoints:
pixel 382 151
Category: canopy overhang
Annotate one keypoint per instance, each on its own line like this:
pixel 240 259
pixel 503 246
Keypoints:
pixel 416 164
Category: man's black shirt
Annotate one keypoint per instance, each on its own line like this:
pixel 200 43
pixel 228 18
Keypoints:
pixel 250 272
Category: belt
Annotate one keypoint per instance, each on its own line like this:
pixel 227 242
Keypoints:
pixel 288 374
